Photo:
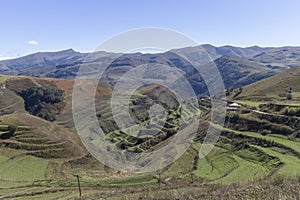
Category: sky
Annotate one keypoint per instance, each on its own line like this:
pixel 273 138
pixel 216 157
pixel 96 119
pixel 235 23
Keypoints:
pixel 29 26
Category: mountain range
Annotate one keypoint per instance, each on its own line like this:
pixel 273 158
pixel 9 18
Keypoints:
pixel 238 66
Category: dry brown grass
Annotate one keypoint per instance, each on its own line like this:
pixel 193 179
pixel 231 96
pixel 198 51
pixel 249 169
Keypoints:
pixel 275 87
pixel 277 188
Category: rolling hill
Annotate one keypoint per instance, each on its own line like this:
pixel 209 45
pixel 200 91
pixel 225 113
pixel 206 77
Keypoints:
pixel 274 88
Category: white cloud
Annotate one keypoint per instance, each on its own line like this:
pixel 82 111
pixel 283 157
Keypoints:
pixel 33 42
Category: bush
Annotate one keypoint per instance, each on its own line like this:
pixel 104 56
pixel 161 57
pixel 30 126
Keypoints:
pixel 12 129
pixel 265 132
pixel 244 111
pixel 291 111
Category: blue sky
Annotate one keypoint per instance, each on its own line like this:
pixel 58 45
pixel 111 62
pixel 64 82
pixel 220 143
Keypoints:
pixel 29 26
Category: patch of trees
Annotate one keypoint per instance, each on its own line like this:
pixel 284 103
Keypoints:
pixel 281 109
pixel 43 102
pixel 288 121
pixel 291 111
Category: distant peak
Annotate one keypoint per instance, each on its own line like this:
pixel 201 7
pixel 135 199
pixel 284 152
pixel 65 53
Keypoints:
pixel 68 50
pixel 207 45
pixel 227 46
pixel 255 46
pixel 55 52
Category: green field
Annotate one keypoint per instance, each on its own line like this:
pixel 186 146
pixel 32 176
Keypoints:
pixel 249 103
pixel 291 163
pixel 23 168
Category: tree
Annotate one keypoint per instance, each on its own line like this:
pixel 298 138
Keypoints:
pixel 289 94
pixel 241 89
pixel 12 129
pixel 228 92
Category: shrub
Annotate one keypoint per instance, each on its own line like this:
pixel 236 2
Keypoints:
pixel 12 129
pixel 43 102
pixel 265 132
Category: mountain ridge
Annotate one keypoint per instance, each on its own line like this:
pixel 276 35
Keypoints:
pixel 238 66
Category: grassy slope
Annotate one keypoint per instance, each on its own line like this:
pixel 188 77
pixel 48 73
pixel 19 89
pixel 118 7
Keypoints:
pixel 223 166
pixel 273 87
pixel 291 163
pixel 23 168
pixel 38 153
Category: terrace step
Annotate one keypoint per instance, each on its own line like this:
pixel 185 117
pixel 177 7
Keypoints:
pixel 22 133
pixel 49 153
pixel 32 140
pixel 30 147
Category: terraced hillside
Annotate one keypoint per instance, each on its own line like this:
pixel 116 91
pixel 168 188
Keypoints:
pixel 38 158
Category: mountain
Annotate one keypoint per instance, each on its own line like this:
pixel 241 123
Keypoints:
pixel 44 59
pixel 247 52
pixel 238 66
pixel 270 56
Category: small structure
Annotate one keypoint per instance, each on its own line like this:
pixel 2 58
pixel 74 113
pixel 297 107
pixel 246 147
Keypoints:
pixel 78 183
pixel 233 106
pixel 3 87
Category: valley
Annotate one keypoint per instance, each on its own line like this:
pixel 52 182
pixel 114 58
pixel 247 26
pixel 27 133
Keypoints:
pixel 258 146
